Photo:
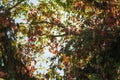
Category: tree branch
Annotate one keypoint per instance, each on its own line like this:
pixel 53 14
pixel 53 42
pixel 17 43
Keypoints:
pixel 59 35
pixel 58 24
pixel 15 5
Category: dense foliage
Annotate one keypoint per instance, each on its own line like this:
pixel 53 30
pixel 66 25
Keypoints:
pixel 83 35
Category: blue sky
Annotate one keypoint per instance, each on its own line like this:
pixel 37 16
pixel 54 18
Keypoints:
pixel 34 1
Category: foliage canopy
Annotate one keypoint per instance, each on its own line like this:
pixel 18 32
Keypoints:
pixel 84 35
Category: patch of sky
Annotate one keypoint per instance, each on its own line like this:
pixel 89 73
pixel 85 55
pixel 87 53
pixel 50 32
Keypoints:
pixel 42 60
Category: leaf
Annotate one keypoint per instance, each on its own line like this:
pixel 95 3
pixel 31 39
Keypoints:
pixel 2 79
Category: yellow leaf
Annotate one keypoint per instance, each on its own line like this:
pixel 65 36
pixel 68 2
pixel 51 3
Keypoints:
pixel 6 1
pixel 22 28
pixel 97 11
pixel 89 76
pixel 13 43
pixel 2 79
pixel 89 8
pixel 81 60
pixel 61 66
pixel 41 17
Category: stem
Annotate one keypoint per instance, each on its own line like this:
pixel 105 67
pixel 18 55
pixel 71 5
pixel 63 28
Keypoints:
pixel 59 35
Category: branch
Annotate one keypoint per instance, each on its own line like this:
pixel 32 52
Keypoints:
pixel 21 63
pixel 58 24
pixel 15 5
pixel 59 35
pixel 66 34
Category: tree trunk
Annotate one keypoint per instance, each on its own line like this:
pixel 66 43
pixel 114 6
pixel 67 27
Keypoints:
pixel 9 60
